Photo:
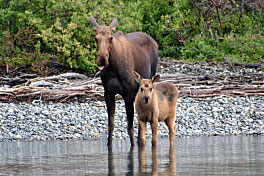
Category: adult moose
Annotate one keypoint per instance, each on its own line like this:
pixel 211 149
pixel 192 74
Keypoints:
pixel 118 56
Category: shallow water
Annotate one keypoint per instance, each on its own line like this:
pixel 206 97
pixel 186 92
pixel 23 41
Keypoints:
pixel 229 155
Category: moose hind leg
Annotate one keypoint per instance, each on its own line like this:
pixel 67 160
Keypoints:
pixel 130 118
pixel 110 105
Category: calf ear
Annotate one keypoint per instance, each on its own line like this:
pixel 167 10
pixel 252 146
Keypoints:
pixel 137 76
pixel 93 22
pixel 155 78
pixel 114 24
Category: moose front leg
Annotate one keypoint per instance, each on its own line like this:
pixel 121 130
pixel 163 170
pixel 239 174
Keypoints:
pixel 110 105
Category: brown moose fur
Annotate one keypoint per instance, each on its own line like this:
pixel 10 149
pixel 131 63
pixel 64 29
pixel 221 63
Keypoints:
pixel 154 103
pixel 118 56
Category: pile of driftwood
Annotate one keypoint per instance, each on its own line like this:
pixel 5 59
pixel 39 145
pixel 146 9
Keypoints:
pixel 206 86
pixel 66 86
pixel 69 87
pixel 61 88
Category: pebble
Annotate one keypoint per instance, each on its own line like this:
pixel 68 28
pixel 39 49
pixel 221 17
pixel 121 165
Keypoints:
pixel 195 117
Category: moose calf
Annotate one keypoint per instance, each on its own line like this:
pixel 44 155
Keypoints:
pixel 154 103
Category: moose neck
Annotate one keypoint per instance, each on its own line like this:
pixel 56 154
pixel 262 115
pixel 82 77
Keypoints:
pixel 116 54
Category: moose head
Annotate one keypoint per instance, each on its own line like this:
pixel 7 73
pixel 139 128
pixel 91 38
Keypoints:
pixel 104 37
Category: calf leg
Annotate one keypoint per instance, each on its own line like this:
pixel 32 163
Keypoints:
pixel 170 122
pixel 110 105
pixel 154 128
pixel 142 129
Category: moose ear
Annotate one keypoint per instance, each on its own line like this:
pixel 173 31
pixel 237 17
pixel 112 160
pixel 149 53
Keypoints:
pixel 114 24
pixel 93 22
pixel 137 76
pixel 155 78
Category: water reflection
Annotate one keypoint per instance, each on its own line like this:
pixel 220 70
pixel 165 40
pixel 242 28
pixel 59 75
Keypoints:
pixel 155 166
pixel 110 162
pixel 232 155
pixel 130 158
pixel 154 157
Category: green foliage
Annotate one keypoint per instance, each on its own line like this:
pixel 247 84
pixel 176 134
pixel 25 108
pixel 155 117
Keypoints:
pixel 243 48
pixel 62 28
pixel 230 28
pixel 200 49
pixel 161 22
pixel 33 30
pixel 236 48
pixel 22 51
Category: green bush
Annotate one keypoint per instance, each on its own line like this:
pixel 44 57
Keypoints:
pixel 236 48
pixel 200 49
pixel 161 20
pixel 62 27
pixel 32 30
pixel 243 48
pixel 211 29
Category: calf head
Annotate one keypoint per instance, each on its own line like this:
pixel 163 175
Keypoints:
pixel 104 37
pixel 146 88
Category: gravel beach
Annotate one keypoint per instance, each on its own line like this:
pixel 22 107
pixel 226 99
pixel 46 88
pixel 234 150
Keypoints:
pixel 220 115
pixel 195 117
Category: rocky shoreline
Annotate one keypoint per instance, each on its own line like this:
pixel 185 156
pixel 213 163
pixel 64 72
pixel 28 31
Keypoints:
pixel 209 116
pixel 195 117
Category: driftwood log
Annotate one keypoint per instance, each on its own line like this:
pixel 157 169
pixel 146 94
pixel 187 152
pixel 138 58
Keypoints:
pixel 69 87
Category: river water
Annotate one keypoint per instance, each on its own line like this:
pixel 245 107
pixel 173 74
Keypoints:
pixel 228 155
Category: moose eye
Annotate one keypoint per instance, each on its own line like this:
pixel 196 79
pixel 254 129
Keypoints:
pixel 110 39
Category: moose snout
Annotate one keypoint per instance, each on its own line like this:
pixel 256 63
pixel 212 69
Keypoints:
pixel 102 59
pixel 146 99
